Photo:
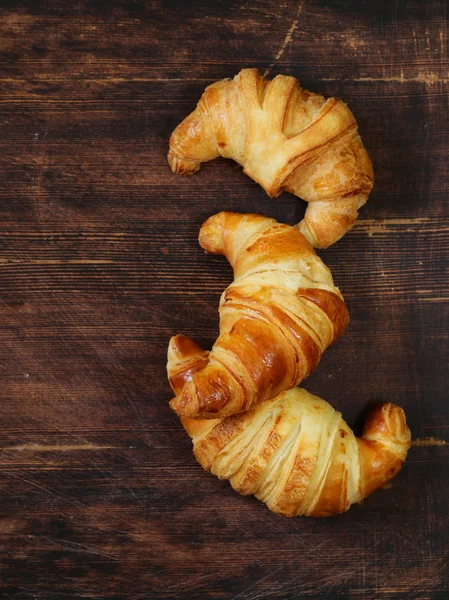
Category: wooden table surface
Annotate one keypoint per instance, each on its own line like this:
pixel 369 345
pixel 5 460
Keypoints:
pixel 100 496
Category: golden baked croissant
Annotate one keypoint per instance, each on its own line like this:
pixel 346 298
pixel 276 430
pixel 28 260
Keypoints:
pixel 293 452
pixel 286 138
pixel 276 319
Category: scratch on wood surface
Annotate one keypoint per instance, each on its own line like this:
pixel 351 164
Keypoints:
pixel 44 78
pixel 430 441
pixel 287 39
pixel 244 593
pixel 409 221
pixel 426 78
pixel 5 261
pixel 68 545
pixel 372 226
pixel 355 43
pixel 56 447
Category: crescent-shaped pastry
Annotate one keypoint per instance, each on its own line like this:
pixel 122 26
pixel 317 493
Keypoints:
pixel 294 452
pixel 286 138
pixel 276 319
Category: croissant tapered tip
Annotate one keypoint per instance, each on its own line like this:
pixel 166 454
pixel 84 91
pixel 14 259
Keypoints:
pixel 186 403
pixel 387 422
pixel 211 233
pixel 181 347
pixel 185 358
pixel 182 166
pixel 173 404
pixel 383 447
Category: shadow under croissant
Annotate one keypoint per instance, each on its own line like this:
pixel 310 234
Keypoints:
pixel 293 452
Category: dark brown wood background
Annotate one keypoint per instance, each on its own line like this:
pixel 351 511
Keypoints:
pixel 100 495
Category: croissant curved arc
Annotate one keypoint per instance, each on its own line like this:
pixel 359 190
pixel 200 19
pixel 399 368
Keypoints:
pixel 294 452
pixel 286 138
pixel 276 319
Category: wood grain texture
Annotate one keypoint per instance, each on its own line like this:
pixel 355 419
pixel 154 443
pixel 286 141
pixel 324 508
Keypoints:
pixel 99 265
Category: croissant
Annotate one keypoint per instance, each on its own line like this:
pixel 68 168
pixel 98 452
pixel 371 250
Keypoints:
pixel 294 452
pixel 276 319
pixel 286 138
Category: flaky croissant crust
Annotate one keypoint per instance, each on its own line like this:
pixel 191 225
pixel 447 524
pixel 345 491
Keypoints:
pixel 276 319
pixel 294 452
pixel 286 138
